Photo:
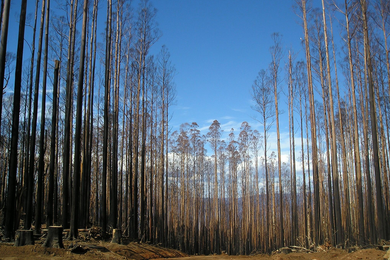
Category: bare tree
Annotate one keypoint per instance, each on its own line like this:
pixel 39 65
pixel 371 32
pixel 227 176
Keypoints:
pixel 74 221
pixel 10 222
pixel 214 135
pixel 276 53
pixel 40 191
pixel 380 225
pixel 335 172
pixel 3 49
pixel 262 95
pixel 106 113
pixel 302 5
pixel 50 203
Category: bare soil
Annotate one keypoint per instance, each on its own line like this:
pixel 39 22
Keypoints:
pixel 104 250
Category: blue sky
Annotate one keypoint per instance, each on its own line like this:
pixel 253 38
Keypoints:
pixel 218 47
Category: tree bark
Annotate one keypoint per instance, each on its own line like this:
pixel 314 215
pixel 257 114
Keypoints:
pixel 3 49
pixel 10 222
pixel 50 210
pixel 335 172
pixel 40 189
pixel 313 132
pixel 74 221
pixel 106 116
pixel 380 225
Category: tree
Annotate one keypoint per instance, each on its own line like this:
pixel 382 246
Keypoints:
pixel 3 49
pixel 50 203
pixel 381 226
pixel 146 35
pixel 214 135
pixel 34 125
pixel 335 172
pixel 77 162
pixel 11 223
pixel 106 112
pixel 276 54
pixel 29 180
pixel 294 204
pixel 66 180
pixel 40 192
pixel 262 95
pixel 301 87
pixel 302 5
pixel 166 72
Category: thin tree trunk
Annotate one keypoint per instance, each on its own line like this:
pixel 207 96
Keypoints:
pixel 356 136
pixel 106 112
pixel 66 175
pixel 313 132
pixel 50 209
pixel 380 226
pixel 35 117
pixel 305 230
pixel 346 221
pixel 29 184
pixel 40 190
pixel 335 172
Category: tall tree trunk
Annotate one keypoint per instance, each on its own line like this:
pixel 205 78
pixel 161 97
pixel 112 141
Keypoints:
pixel 106 115
pixel 294 205
pixel 40 191
pixel 313 132
pixel 325 104
pixel 114 172
pixel 305 230
pixel 88 127
pixel 346 221
pixel 10 222
pixel 276 55
pixel 29 184
pixel 50 209
pixel 68 118
pixel 335 172
pixel 34 124
pixel 356 136
pixel 380 225
pixel 74 221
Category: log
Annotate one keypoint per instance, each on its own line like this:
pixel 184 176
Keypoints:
pixel 387 255
pixel 24 237
pixel 54 237
pixel 285 250
pixel 116 236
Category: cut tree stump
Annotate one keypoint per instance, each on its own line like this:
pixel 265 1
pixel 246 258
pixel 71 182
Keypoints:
pixel 24 237
pixel 116 236
pixel 54 237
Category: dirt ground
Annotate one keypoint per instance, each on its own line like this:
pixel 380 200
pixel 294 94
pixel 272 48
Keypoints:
pixel 105 250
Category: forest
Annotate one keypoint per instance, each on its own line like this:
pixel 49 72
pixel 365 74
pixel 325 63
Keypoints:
pixel 86 142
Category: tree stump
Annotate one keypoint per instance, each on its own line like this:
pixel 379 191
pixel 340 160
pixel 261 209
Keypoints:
pixel 116 236
pixel 24 237
pixel 54 237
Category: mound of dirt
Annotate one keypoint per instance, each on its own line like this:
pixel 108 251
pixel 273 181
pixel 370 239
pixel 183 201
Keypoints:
pixel 93 249
pixel 90 250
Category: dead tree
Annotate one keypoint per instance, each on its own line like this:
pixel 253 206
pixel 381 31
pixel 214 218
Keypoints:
pixel 10 222
pixel 77 163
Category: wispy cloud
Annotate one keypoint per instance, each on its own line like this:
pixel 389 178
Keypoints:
pixel 183 108
pixel 239 110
